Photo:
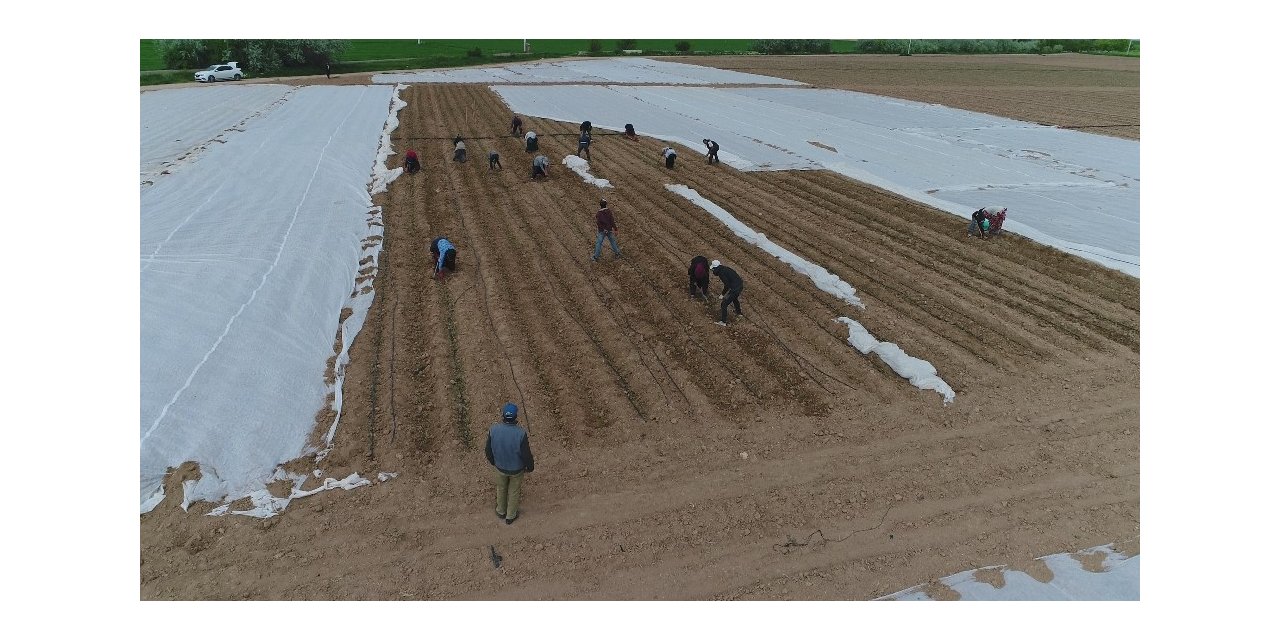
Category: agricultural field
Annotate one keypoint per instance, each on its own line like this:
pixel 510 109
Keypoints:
pixel 681 460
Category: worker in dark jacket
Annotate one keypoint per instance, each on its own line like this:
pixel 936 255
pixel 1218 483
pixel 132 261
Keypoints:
pixel 699 276
pixel 411 164
pixel 531 141
pixel 732 289
pixel 669 156
pixel 507 449
pixel 585 127
pixel 445 256
pixel 517 126
pixel 713 151
pixel 584 145
pixel 630 132
pixel 605 228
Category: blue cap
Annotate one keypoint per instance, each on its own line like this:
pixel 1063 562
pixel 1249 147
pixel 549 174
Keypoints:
pixel 509 411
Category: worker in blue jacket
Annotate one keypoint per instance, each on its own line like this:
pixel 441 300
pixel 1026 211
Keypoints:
pixel 507 449
pixel 445 256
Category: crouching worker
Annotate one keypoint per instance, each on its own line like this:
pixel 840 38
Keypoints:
pixel 630 133
pixel 445 256
pixel 531 142
pixel 494 161
pixel 507 449
pixel 981 220
pixel 669 155
pixel 699 277
pixel 459 150
pixel 997 222
pixel 539 168
pixel 411 164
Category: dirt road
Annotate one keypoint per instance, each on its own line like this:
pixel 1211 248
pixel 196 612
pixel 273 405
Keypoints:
pixel 854 484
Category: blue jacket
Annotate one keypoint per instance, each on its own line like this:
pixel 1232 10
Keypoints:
pixel 507 448
pixel 441 245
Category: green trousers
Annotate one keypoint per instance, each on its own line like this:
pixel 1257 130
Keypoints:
pixel 509 494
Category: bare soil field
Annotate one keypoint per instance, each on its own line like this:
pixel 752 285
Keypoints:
pixel 1098 94
pixel 677 459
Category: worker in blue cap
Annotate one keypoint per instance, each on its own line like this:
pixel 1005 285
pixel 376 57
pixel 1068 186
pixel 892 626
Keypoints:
pixel 507 449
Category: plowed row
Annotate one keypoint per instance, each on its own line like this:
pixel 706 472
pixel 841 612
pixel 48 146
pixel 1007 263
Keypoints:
pixel 640 409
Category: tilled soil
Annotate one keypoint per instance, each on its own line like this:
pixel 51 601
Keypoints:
pixel 1098 94
pixel 677 459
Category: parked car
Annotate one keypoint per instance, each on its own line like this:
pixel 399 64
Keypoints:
pixel 216 72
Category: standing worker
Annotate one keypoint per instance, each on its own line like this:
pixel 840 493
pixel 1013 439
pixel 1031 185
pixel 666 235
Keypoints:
pixel 493 159
pixel 326 70
pixel 699 277
pixel 585 127
pixel 713 151
pixel 459 149
pixel 584 144
pixel 517 126
pixel 411 164
pixel 732 289
pixel 669 155
pixel 531 142
pixel 605 227
pixel 507 449
pixel 539 168
pixel 445 256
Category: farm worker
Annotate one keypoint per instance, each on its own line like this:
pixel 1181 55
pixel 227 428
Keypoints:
pixel 732 289
pixel 699 276
pixel 585 127
pixel 459 150
pixel 445 256
pixel 584 144
pixel 630 132
pixel 493 159
pixel 531 142
pixel 997 222
pixel 411 163
pixel 981 220
pixel 713 151
pixel 517 126
pixel 507 449
pixel 669 155
pixel 605 227
pixel 326 70
pixel 539 167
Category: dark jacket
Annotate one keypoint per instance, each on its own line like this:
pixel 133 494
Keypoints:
pixel 732 281
pixel 604 220
pixel 699 279
pixel 507 448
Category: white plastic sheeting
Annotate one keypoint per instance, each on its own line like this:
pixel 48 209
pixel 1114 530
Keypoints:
pixel 1118 581
pixel 246 265
pixel 176 123
pixel 622 70
pixel 1075 191
pixel 583 168
pixel 919 373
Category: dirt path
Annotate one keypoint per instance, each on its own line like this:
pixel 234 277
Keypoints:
pixel 640 409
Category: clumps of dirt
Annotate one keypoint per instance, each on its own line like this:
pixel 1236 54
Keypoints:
pixel 1092 562
pixel 173 479
pixel 281 488
pixel 993 576
pixel 822 146
pixel 938 591
pixel 1037 569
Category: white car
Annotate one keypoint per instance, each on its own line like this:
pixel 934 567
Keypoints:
pixel 228 71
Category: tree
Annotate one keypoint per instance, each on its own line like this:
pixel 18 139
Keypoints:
pixel 258 56
pixel 683 46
